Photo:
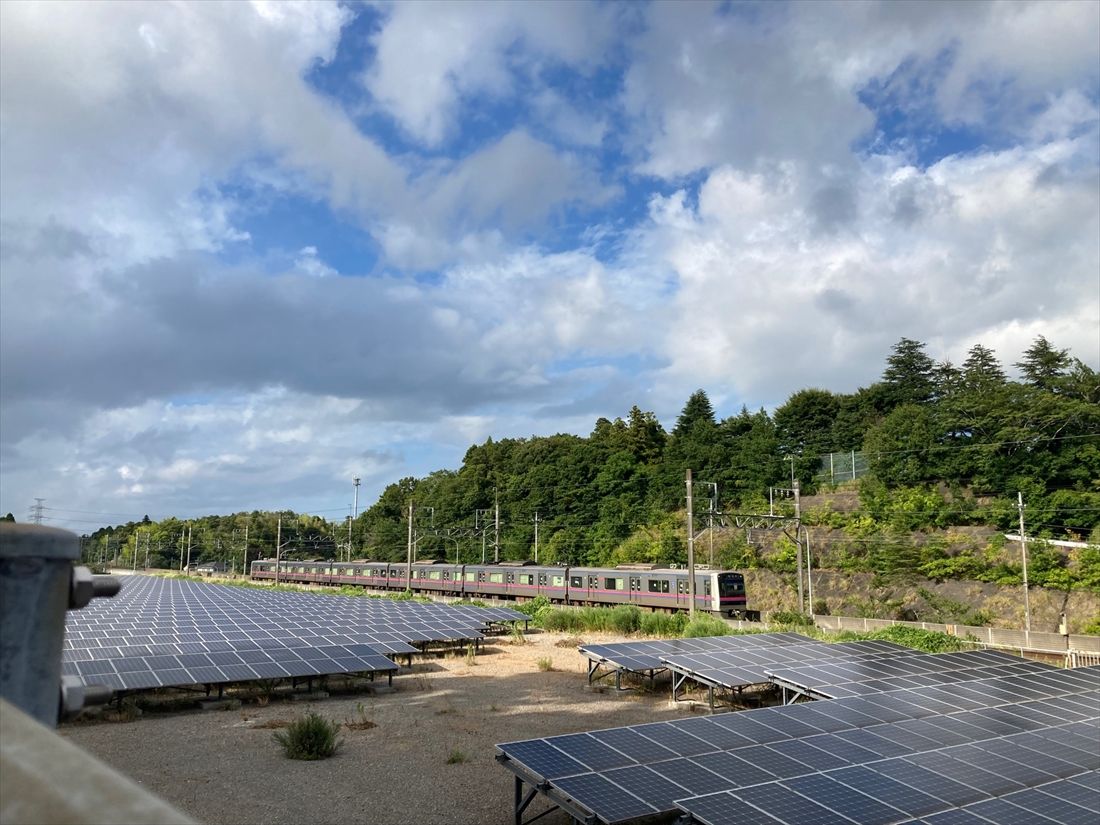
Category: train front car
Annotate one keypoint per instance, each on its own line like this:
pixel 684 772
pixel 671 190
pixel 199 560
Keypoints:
pixel 728 594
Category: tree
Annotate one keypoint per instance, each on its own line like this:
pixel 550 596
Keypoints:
pixel 8 517
pixel 947 380
pixel 898 448
pixel 981 369
pixel 645 435
pixel 908 375
pixel 1043 364
pixel 804 427
pixel 697 413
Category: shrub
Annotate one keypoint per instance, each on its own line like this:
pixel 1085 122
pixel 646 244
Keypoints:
pixel 930 641
pixel 791 617
pixel 625 619
pixel 534 608
pixel 706 625
pixel 456 757
pixel 663 624
pixel 309 737
pixel 546 664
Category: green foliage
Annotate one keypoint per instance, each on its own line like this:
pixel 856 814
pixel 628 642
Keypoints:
pixel 791 617
pixel 628 620
pixel 663 624
pixel 309 737
pixel 456 757
pixel 943 610
pixel 930 641
pixel 534 607
pixel 546 664
pixel 706 625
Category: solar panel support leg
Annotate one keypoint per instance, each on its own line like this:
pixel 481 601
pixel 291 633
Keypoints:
pixel 710 697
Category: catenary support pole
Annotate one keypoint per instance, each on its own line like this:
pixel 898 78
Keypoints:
pixel 1023 556
pixel 691 549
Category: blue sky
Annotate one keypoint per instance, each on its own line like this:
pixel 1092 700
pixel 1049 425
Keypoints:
pixel 251 250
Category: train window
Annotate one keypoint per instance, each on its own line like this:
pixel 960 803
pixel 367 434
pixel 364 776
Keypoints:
pixel 434 575
pixel 470 576
pixel 593 581
pixel 542 580
pixel 613 584
pixel 576 581
pixel 680 586
pixel 526 578
pixel 446 575
pixel 706 587
pixel 382 573
pixel 511 578
pixel 658 585
pixel 557 581
pixel 496 578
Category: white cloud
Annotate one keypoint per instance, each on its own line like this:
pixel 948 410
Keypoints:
pixel 981 248
pixel 432 55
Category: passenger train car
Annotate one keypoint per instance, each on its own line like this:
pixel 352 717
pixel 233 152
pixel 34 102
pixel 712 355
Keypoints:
pixel 720 592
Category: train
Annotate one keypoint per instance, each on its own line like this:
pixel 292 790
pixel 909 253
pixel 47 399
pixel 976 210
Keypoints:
pixel 721 592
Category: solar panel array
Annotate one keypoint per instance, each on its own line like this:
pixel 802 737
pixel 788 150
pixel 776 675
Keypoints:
pixel 737 668
pixel 165 633
pixel 988 747
pixel 856 678
pixel 649 655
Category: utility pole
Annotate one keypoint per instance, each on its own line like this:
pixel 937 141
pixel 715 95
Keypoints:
pixel 691 549
pixel 133 568
pixel 181 549
pixel 409 560
pixel 1023 555
pixel 712 509
pixel 536 537
pixel 244 563
pixel 809 572
pixel 790 458
pixel 496 528
pixel 278 547
pixel 798 542
pixel 354 513
pixel 188 548
pixel 147 539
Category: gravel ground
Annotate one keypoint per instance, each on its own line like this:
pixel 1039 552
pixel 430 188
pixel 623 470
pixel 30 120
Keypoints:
pixel 224 767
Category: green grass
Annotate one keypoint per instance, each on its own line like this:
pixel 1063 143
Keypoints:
pixel 456 757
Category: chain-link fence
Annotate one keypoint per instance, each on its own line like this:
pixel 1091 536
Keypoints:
pixel 836 467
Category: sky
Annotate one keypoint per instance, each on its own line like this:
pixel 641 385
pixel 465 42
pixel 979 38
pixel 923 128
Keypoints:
pixel 251 250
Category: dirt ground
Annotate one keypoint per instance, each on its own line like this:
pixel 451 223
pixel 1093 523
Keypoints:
pixel 428 758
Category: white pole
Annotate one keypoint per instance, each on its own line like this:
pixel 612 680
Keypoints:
pixel 691 549
pixel 1023 555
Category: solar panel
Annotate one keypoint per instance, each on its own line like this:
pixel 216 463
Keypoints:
pixel 604 798
pixel 886 758
pixel 647 655
pixel 159 633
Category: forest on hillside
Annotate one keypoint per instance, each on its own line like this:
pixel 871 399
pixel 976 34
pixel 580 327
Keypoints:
pixel 945 445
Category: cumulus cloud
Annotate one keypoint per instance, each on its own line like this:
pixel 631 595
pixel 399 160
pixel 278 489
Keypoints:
pixel 431 56
pixel 972 249
pixel 746 198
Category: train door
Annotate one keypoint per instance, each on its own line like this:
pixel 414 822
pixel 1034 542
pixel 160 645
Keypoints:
pixel 575 593
pixel 635 589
